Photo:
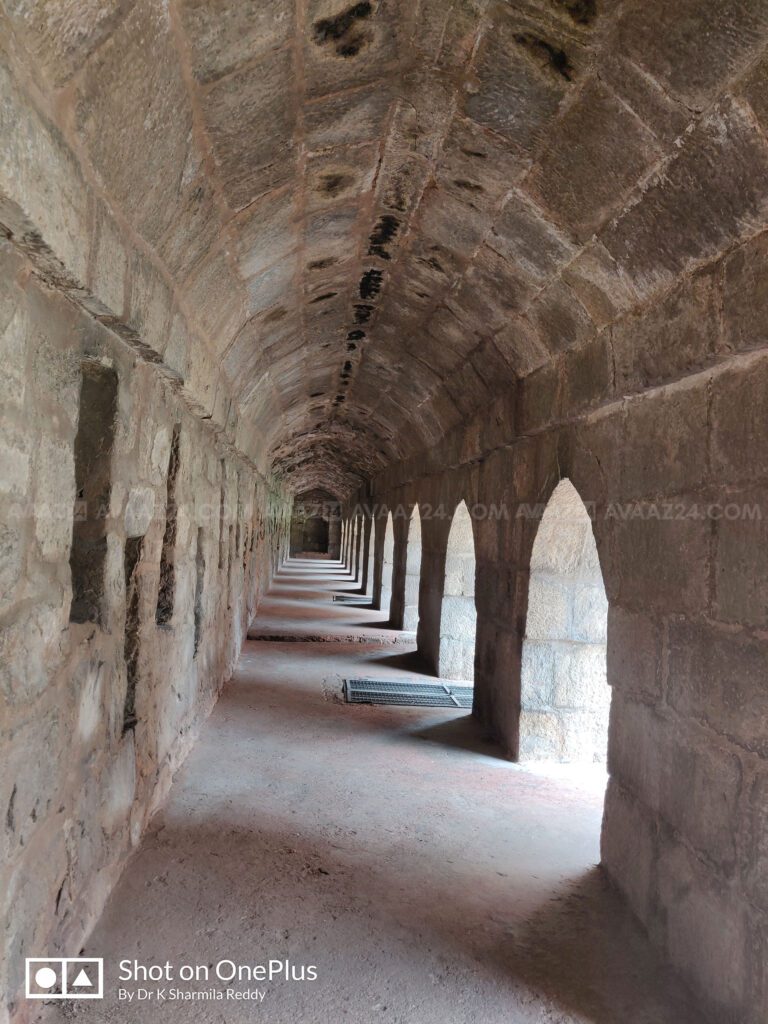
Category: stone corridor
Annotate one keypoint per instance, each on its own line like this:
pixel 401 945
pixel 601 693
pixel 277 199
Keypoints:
pixel 460 306
pixel 392 846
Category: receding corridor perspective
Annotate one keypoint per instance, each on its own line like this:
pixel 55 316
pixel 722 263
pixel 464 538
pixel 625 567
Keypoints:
pixel 384 510
pixel 427 878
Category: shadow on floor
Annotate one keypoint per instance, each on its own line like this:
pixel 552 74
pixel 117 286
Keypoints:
pixel 281 705
pixel 438 888
pixel 457 730
pixel 378 624
pixel 463 733
pixel 405 661
pixel 580 953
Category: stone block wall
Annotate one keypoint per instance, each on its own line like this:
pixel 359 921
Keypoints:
pixel 587 308
pixel 107 274
pixel 99 707
pixel 668 453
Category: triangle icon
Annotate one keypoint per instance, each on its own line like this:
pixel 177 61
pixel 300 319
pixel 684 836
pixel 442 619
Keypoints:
pixel 82 981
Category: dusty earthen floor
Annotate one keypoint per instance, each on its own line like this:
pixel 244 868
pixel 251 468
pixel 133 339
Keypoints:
pixel 430 881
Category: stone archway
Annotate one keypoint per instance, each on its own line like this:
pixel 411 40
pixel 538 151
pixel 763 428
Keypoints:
pixel 357 560
pixel 352 538
pixel 387 566
pixel 369 555
pixel 315 535
pixel 412 573
pixel 458 616
pixel 565 697
pixel 315 526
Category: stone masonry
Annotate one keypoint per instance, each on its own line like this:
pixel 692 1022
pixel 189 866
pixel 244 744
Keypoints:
pixel 405 253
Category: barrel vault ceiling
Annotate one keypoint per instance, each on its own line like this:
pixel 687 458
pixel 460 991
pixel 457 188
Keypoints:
pixel 385 211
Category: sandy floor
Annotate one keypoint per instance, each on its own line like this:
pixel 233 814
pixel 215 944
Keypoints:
pixel 429 881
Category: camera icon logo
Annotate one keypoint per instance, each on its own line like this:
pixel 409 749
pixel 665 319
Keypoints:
pixel 65 977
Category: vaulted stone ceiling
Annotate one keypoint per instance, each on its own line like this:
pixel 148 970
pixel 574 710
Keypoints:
pixel 384 212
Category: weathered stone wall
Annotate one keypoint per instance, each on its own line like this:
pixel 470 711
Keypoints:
pixel 82 768
pixel 122 270
pixel 535 246
pixel 668 454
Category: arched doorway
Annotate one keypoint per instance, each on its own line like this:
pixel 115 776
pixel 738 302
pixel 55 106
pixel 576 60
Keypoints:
pixel 565 697
pixel 371 548
pixel 387 566
pixel 347 543
pixel 458 616
pixel 315 535
pixel 412 573
pixel 357 564
pixel 351 549
pixel 315 525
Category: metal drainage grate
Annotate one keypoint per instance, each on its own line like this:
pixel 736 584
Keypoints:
pixel 423 695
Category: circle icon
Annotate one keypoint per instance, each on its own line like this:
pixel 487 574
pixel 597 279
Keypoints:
pixel 46 977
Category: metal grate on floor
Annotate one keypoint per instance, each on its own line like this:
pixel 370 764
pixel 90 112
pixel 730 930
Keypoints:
pixel 423 695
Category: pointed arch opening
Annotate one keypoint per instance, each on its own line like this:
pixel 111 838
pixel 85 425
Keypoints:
pixel 352 546
pixel 315 529
pixel 357 562
pixel 412 573
pixel 458 616
pixel 347 542
pixel 565 697
pixel 387 566
pixel 369 553
pixel 315 536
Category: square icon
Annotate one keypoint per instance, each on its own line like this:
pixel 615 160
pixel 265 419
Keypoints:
pixel 84 978
pixel 65 978
pixel 45 978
